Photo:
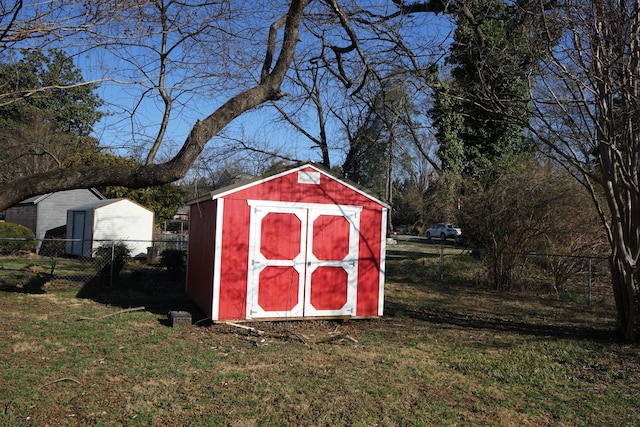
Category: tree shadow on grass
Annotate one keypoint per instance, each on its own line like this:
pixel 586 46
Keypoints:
pixel 392 254
pixel 35 285
pixel 446 317
pixel 151 288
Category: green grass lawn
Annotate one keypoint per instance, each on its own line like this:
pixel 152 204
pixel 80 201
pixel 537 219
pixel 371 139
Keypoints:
pixel 447 352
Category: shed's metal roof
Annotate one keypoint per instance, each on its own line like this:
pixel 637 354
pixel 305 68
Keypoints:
pixel 100 203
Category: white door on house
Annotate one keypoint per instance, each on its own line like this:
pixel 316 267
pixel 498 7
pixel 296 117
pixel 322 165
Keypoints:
pixel 302 260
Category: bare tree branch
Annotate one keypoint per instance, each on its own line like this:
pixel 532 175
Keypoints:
pixel 267 89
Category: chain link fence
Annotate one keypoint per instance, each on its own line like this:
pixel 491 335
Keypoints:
pixel 28 265
pixel 572 277
pixel 569 277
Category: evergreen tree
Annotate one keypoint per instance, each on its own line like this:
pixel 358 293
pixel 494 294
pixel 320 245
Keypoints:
pixel 49 87
pixel 497 46
pixel 47 113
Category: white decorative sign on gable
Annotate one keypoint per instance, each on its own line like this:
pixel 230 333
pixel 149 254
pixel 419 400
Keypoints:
pixel 308 177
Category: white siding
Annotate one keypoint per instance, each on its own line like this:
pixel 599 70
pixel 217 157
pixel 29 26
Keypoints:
pixel 124 220
pixel 52 210
pixel 112 220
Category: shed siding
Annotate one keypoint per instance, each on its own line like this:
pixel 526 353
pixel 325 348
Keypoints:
pixel 219 247
pixel 201 254
pixel 234 264
pixel 287 188
pixel 52 210
pixel 369 263
pixel 124 220
pixel 48 212
pixel 25 215
pixel 110 220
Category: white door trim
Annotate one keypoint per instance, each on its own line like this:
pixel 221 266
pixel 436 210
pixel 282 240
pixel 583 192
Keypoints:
pixel 257 261
pixel 305 262
pixel 349 263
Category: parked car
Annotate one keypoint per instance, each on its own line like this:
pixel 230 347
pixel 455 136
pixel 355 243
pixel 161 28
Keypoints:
pixel 444 231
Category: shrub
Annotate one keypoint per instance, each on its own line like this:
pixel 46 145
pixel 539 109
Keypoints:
pixel 110 260
pixel 52 248
pixel 526 208
pixel 175 261
pixel 24 238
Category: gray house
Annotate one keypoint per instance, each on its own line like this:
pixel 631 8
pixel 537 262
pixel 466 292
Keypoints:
pixel 46 215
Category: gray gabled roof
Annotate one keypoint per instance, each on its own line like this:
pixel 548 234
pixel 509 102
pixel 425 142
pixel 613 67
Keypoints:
pixel 37 199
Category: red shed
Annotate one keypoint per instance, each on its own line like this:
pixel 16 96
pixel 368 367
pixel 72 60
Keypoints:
pixel 297 244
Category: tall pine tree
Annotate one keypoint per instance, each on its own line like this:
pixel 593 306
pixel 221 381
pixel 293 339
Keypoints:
pixel 47 113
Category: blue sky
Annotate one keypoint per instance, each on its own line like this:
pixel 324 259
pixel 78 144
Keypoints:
pixel 128 134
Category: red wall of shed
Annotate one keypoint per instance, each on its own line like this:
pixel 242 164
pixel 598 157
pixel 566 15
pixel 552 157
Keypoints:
pixel 235 260
pixel 287 189
pixel 202 230
pixel 235 240
pixel 369 262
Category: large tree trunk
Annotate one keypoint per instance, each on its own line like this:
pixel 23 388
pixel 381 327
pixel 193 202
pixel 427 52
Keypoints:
pixel 616 81
pixel 623 280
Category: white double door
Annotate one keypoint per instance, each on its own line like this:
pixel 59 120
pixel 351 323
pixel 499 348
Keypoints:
pixel 303 260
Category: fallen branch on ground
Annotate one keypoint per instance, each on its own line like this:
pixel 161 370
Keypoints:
pixel 60 380
pixel 289 334
pixel 246 328
pixel 336 337
pixel 128 310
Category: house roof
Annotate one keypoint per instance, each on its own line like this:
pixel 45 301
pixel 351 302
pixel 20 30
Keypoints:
pixel 100 203
pixel 222 192
pixel 37 199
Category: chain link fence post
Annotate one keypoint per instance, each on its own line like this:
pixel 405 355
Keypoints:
pixel 590 296
pixel 113 258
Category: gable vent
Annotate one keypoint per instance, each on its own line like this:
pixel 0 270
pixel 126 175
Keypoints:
pixel 308 177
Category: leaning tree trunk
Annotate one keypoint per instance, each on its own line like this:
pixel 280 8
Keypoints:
pixel 268 88
pixel 615 47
